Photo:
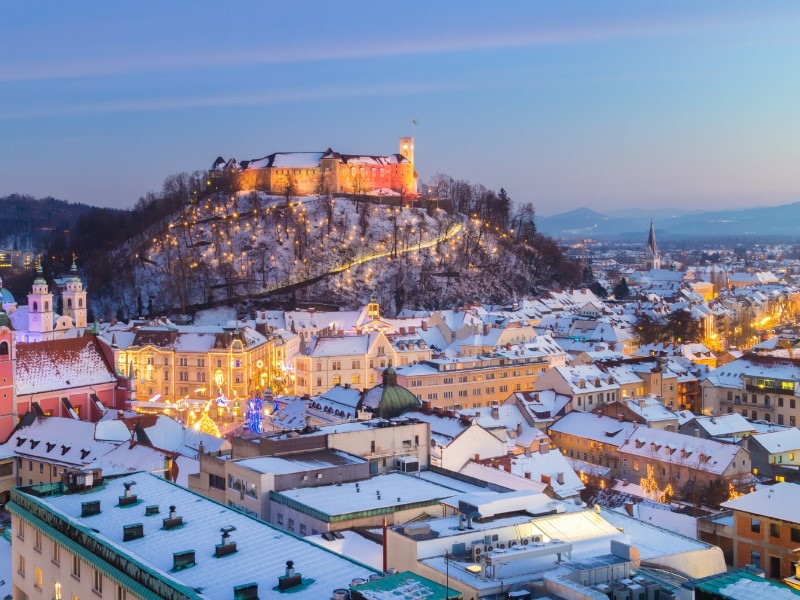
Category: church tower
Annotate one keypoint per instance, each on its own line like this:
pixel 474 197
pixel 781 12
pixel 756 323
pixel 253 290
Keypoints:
pixel 652 259
pixel 374 309
pixel 74 298
pixel 8 411
pixel 40 309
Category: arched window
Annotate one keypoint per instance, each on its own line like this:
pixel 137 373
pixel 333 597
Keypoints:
pixel 69 302
pixel 35 307
pixel 46 306
pixel 80 302
pixel 3 349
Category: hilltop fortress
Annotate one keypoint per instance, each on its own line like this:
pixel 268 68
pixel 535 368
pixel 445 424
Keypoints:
pixel 303 173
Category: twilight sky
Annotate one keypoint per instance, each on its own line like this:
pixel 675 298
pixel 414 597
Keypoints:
pixel 608 105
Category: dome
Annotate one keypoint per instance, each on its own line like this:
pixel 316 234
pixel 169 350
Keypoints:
pixel 5 320
pixel 388 399
pixel 5 296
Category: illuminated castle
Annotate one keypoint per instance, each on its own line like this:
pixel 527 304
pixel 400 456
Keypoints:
pixel 325 172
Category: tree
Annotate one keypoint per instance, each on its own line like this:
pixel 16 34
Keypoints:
pixel 598 290
pixel 648 330
pixel 621 290
pixel 682 327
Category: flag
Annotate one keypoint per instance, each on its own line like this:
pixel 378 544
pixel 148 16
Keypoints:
pixel 413 121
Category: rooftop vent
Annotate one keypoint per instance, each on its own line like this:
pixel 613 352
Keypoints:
pixel 129 498
pixel 90 508
pixel 132 532
pixel 65 449
pixel 85 453
pixel 227 546
pixel 291 579
pixel 248 591
pixel 151 510
pixel 173 521
pixel 50 446
pixel 182 560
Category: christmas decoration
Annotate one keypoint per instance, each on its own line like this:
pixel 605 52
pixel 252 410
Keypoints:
pixel 651 489
pixel 206 425
pixel 253 416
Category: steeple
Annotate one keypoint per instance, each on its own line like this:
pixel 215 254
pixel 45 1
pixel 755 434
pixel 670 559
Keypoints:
pixel 652 259
pixel 74 298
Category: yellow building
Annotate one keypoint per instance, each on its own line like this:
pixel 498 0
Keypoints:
pixel 172 362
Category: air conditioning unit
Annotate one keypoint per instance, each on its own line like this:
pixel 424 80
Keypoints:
pixel 512 543
pixel 502 545
pixel 525 541
pixel 537 539
pixel 489 548
pixel 620 592
pixel 477 552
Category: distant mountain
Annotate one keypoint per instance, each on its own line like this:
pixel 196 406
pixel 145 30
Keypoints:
pixel 766 221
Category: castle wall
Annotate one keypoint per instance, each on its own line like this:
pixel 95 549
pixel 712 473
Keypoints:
pixel 338 178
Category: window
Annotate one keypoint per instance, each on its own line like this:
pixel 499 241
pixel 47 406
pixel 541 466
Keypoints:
pixel 201 362
pixel 791 421
pixel 21 565
pixel 216 481
pixel 76 566
pixel 122 593
pixel 280 518
pixel 56 590
pixel 302 529
pixel 291 524
pixel 791 402
pixel 795 534
pixel 37 578
pixel 774 530
pixel 21 532
pixel 97 581
pixel 30 465
pixel 635 465
pixel 56 553
pixel 37 540
pixel 755 526
pixel 755 559
pixel 183 361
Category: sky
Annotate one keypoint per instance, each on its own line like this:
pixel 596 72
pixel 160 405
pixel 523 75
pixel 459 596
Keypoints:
pixel 608 105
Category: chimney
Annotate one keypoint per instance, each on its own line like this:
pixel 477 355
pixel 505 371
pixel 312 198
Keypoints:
pixel 291 579
pixel 477 458
pixel 519 428
pixel 527 474
pixel 226 547
pixel 486 328
pixel 629 508
pixel 129 498
pixel 620 417
pixel 560 478
pixel 424 326
pixel 495 412
pixel 544 447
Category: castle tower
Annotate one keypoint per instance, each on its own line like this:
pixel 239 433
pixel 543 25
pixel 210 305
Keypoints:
pixel 407 148
pixel 40 309
pixel 74 298
pixel 8 408
pixel 652 259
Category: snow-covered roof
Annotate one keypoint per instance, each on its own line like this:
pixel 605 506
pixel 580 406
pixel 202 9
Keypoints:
pixel 391 491
pixel 787 440
pixel 594 427
pixel 262 550
pixel 777 501
pixel 552 465
pixel 501 478
pixel 689 451
pixel 725 425
pixel 299 462
pixel 60 365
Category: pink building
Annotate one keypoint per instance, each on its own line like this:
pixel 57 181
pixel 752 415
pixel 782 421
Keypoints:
pixel 69 377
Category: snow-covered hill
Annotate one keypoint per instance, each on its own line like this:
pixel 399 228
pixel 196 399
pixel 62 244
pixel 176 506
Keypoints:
pixel 249 246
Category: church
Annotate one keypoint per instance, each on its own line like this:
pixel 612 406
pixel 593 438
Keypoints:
pixel 328 172
pixel 39 321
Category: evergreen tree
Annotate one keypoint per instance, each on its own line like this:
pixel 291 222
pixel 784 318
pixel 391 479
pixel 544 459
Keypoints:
pixel 598 290
pixel 621 290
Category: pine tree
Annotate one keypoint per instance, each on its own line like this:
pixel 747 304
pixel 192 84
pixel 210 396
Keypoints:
pixel 621 290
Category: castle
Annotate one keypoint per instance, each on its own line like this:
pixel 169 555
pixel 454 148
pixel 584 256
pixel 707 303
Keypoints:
pixel 328 172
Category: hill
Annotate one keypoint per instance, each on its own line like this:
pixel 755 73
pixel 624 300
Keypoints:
pixel 763 221
pixel 255 248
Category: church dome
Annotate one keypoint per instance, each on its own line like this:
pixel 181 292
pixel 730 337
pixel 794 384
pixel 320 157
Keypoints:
pixel 5 320
pixel 389 400
pixel 6 297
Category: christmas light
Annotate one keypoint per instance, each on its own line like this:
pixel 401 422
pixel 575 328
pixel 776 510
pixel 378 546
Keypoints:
pixel 206 425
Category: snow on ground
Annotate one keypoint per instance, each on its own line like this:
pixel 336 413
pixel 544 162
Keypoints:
pixel 354 546
pixel 215 316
